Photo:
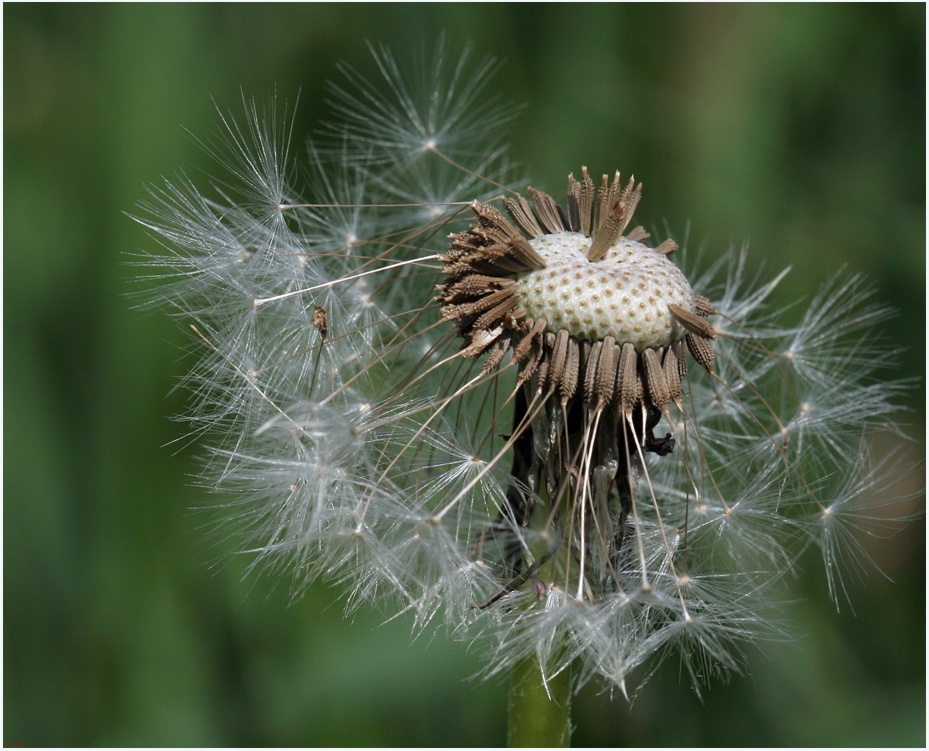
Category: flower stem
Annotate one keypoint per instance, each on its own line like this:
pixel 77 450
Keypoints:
pixel 539 712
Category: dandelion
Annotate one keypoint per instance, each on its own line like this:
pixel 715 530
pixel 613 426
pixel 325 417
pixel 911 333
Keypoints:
pixel 471 401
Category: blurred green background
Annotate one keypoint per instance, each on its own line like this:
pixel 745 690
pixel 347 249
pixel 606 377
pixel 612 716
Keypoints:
pixel 800 129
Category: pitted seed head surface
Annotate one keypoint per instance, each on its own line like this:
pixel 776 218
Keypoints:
pixel 625 295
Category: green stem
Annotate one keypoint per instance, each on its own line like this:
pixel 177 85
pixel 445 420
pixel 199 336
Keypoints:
pixel 539 717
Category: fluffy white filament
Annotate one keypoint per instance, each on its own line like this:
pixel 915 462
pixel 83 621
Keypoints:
pixel 368 451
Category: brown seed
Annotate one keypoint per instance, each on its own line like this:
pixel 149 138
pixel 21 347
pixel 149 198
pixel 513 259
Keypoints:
pixel 549 212
pixel 606 371
pixel 701 350
pixel 522 214
pixel 559 357
pixel 667 247
pixel 628 379
pixel 672 374
pixel 569 379
pixel 590 374
pixel 522 349
pixel 692 322
pixel 655 381
pixel 321 320
pixel 496 355
pixel 703 307
pixel 497 313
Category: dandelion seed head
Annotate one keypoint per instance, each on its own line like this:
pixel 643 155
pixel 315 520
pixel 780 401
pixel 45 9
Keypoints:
pixel 477 404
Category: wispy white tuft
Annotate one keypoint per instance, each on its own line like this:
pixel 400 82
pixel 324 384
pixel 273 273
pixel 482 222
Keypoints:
pixel 352 441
